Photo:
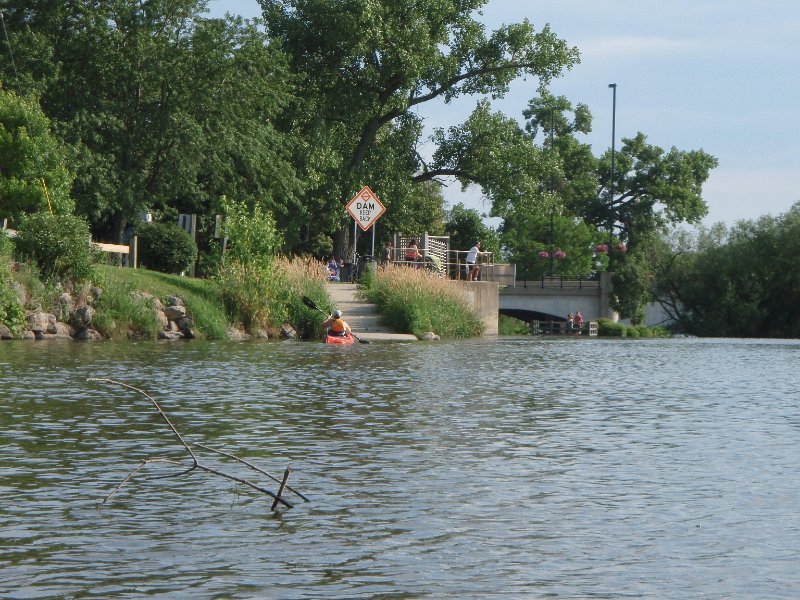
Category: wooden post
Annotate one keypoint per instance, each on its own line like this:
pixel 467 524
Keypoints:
pixel 194 239
pixel 280 489
pixel 133 253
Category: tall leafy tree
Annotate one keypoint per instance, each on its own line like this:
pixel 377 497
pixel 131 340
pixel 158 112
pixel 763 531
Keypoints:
pixel 740 282
pixel 653 190
pixel 368 64
pixel 465 226
pixel 33 172
pixel 162 107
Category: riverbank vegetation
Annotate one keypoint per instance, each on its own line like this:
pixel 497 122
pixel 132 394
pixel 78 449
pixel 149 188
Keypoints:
pixel 413 300
pixel 292 115
pixel 742 281
pixel 273 126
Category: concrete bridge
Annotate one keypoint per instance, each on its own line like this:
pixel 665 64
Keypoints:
pixel 543 300
pixel 552 299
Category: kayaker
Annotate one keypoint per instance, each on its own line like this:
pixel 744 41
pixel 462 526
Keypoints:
pixel 336 325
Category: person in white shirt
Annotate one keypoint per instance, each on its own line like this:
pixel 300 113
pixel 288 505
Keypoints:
pixel 472 260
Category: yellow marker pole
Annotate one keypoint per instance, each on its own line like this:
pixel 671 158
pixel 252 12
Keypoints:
pixel 47 195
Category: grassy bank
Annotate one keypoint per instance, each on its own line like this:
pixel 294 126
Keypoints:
pixel 413 300
pixel 202 298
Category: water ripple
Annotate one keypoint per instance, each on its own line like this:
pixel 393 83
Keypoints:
pixel 575 468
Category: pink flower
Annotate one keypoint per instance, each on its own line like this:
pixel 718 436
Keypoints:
pixel 601 248
pixel 544 254
pixel 560 254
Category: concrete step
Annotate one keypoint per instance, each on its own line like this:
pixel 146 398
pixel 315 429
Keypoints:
pixel 363 317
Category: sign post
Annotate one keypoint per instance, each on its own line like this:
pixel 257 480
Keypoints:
pixel 365 208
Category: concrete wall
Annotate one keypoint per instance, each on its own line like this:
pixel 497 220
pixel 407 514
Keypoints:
pixel 484 298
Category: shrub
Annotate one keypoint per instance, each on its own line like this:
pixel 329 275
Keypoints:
pixel 165 247
pixel 511 326
pixel 607 328
pixel 59 245
pixel 252 233
pixel 6 251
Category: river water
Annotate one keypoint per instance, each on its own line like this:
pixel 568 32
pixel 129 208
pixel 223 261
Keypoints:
pixel 517 467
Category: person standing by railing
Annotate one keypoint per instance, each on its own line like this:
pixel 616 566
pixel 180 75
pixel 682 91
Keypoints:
pixel 473 268
pixel 386 254
pixel 412 251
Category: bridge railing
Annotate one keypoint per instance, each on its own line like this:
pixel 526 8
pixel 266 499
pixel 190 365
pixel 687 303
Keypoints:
pixel 563 328
pixel 579 282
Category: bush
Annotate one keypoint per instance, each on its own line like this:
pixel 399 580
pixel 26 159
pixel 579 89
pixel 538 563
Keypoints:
pixel 166 248
pixel 607 328
pixel 59 245
pixel 303 277
pixel 511 326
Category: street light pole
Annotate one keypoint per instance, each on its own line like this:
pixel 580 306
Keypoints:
pixel 613 86
pixel 552 209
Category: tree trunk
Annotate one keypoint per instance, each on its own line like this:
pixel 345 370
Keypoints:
pixel 341 243
pixel 118 224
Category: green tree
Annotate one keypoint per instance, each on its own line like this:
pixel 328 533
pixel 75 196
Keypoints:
pixel 367 65
pixel 465 226
pixel 739 282
pixel 33 172
pixel 162 108
pixel 653 190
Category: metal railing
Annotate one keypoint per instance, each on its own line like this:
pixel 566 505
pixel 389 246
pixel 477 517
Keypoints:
pixel 579 282
pixel 563 328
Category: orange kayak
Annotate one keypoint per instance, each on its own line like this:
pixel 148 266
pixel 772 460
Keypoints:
pixel 339 339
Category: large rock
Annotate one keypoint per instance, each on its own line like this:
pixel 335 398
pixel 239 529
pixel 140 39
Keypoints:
pixel 56 336
pixel 5 333
pixel 88 335
pixel 236 335
pixel 185 326
pixel 170 335
pixel 174 301
pixel 82 317
pixel 42 322
pixel 174 312
pixel 288 332
pixel 162 319
pixel 64 329
pixel 154 301
pixel 65 307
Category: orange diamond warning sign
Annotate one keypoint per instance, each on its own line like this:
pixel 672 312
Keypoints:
pixel 365 208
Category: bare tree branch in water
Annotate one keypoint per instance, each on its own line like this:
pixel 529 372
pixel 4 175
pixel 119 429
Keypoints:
pixel 196 464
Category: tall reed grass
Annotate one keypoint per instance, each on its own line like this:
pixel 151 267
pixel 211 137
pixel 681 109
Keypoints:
pixel 303 276
pixel 413 300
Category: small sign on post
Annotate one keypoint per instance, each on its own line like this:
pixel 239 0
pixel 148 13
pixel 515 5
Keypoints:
pixel 365 208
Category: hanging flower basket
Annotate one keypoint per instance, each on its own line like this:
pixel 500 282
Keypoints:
pixel 544 254
pixel 559 254
pixel 601 248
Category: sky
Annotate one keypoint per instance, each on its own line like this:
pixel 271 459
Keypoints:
pixel 718 75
